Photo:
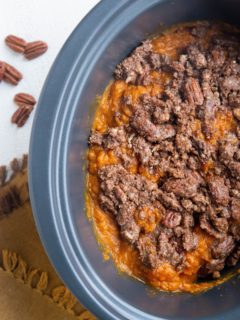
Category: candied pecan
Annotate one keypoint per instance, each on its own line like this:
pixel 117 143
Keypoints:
pixel 35 49
pixel 227 148
pixel 193 91
pixel 190 240
pixel 183 143
pixel 218 56
pixel 24 99
pixel 208 109
pixel 136 67
pixel 186 187
pixel 143 125
pixel 114 137
pixel 11 74
pixel 219 190
pixel 171 219
pixel 169 249
pixel 206 225
pixel 196 57
pixel 15 43
pixel 169 200
pixel 212 267
pixel 187 205
pixel 21 115
pixel 142 149
pixel 130 231
pixel 221 248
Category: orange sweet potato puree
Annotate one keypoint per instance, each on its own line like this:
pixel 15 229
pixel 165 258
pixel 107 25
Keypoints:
pixel 111 112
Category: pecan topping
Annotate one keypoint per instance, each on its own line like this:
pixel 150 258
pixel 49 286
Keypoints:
pixel 35 49
pixel 15 43
pixel 24 99
pixel 21 115
pixel 196 182
pixel 10 74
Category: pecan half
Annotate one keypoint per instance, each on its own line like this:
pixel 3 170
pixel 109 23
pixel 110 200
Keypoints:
pixel 35 49
pixel 15 43
pixel 21 115
pixel 11 74
pixel 193 92
pixel 24 99
pixel 2 70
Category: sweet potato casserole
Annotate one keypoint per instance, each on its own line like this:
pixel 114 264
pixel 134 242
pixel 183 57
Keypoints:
pixel 163 185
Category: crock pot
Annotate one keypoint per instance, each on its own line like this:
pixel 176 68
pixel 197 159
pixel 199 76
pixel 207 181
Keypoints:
pixel 57 166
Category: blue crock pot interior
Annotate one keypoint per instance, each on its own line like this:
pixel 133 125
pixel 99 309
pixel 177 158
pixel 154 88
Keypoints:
pixel 57 161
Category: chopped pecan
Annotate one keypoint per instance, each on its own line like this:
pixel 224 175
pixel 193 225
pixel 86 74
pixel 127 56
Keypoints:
pixel 11 74
pixel 21 115
pixel 24 99
pixel 15 43
pixel 35 49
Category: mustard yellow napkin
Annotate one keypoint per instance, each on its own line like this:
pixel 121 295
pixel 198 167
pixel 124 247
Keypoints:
pixel 30 288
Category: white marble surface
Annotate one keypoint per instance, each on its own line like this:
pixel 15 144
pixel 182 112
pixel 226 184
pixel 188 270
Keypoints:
pixel 48 20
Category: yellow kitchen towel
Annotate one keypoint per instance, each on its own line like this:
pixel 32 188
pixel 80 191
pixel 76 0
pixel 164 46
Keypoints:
pixel 30 286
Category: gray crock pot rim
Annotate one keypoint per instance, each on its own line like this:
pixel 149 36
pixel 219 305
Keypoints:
pixel 48 156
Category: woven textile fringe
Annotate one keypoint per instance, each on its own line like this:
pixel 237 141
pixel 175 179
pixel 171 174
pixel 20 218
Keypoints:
pixel 38 280
pixel 14 196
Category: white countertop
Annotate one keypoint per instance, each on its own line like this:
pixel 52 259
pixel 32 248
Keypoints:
pixel 48 20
